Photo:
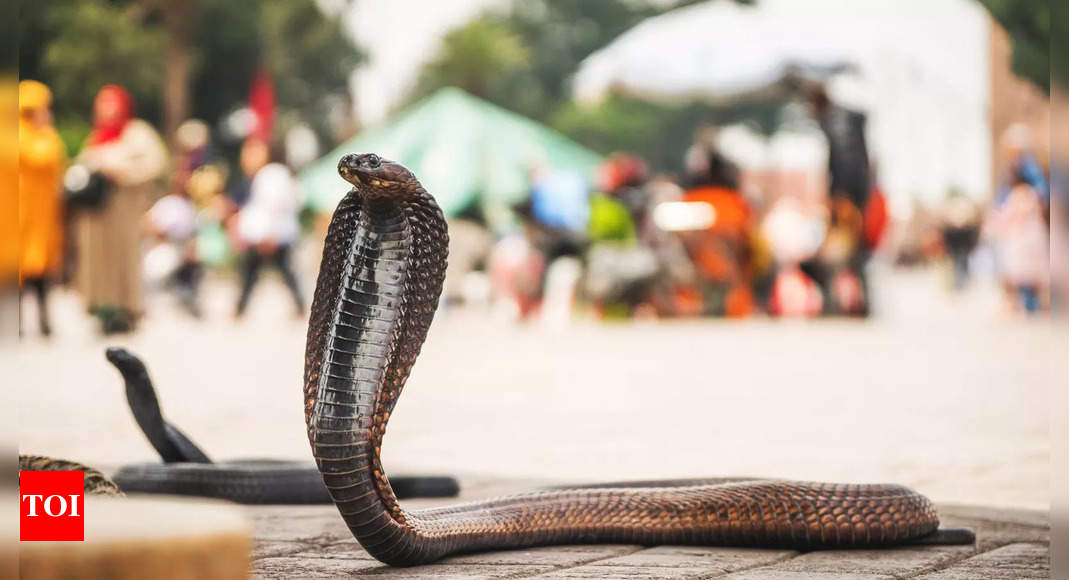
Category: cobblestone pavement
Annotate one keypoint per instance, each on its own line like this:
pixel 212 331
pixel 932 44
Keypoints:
pixel 312 542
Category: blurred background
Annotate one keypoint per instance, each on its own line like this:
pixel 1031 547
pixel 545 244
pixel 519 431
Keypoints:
pixel 770 238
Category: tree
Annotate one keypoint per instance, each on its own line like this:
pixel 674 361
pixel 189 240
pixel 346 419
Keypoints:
pixel 227 39
pixel 177 21
pixel 181 58
pixel 561 33
pixel 310 58
pixel 483 57
pixel 523 59
pixel 659 133
pixel 81 46
pixel 1028 24
pixel 307 54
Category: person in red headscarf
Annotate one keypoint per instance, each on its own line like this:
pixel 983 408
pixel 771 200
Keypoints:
pixel 112 110
pixel 130 154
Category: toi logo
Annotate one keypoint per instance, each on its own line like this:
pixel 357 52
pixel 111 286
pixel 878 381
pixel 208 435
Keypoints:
pixel 51 506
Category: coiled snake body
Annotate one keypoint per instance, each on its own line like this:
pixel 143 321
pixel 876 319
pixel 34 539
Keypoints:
pixel 379 282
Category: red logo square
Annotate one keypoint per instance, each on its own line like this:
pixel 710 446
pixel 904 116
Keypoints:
pixel 51 506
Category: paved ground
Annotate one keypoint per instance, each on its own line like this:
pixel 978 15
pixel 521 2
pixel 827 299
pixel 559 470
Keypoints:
pixel 312 542
pixel 946 396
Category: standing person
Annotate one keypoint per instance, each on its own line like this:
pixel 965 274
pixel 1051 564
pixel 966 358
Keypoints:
pixel 555 220
pixel 960 229
pixel 848 155
pixel 130 154
pixel 267 226
pixel 1021 236
pixel 172 222
pixel 1021 165
pixel 721 251
pixel 850 184
pixel 1018 222
pixel 172 227
pixel 42 157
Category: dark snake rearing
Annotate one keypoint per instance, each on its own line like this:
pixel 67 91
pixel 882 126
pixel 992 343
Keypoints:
pixel 378 288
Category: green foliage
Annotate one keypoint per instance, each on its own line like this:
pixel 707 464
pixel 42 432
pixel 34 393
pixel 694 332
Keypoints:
pixel 100 43
pixel 226 37
pixel 77 46
pixel 561 33
pixel 309 56
pixel 660 133
pixel 523 59
pixel 621 124
pixel 1059 47
pixel 483 57
pixel 1028 24
pixel 73 131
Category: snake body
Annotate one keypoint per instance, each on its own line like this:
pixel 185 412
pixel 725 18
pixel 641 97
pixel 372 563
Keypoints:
pixel 187 470
pixel 379 283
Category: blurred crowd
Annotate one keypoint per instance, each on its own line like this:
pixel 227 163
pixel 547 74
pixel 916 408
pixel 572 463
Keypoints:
pixel 1015 229
pixel 125 214
pixel 1009 237
pixel 701 245
pixel 707 245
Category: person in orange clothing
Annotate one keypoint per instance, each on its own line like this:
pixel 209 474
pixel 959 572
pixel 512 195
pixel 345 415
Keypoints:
pixel 42 158
pixel 9 194
pixel 721 252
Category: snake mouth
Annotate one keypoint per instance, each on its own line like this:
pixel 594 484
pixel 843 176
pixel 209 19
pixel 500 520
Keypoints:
pixel 349 175
pixel 358 178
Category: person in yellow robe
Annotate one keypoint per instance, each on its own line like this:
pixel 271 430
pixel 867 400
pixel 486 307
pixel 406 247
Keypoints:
pixel 42 159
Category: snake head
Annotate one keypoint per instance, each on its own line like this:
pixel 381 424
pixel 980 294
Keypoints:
pixel 374 176
pixel 124 360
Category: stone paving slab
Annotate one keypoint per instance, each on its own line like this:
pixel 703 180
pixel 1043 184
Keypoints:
pixel 1012 562
pixel 891 562
pixel 769 574
pixel 312 542
pixel 673 562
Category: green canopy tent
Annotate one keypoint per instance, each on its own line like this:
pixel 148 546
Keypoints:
pixel 464 150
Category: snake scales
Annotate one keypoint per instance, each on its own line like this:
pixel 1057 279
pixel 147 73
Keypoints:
pixel 379 282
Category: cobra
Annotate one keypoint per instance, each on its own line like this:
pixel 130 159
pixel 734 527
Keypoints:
pixel 378 287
